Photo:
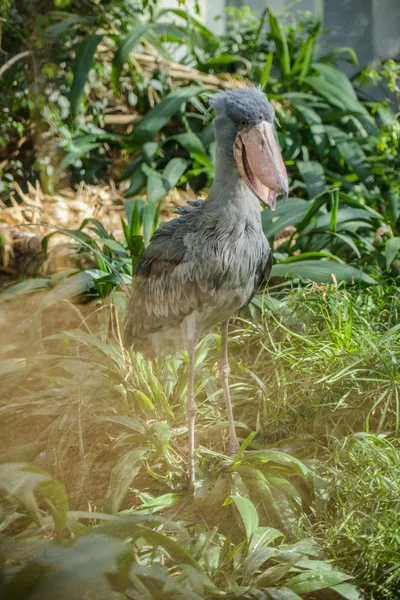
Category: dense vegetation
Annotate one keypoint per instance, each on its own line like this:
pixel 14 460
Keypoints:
pixel 93 472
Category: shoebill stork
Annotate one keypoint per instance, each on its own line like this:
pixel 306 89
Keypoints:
pixel 202 267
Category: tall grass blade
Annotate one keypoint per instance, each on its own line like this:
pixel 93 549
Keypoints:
pixel 81 67
pixel 266 70
pixel 279 37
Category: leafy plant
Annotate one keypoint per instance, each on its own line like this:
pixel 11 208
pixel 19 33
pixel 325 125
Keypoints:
pixel 142 555
pixel 332 141
pixel 355 519
pixel 328 340
pixel 333 226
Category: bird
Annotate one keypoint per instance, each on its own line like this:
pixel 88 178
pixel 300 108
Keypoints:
pixel 202 267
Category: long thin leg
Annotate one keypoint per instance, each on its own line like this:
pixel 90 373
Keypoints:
pixel 191 411
pixel 224 371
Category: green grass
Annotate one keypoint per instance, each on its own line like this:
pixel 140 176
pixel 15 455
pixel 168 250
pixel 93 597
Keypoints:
pixel 310 365
pixel 357 518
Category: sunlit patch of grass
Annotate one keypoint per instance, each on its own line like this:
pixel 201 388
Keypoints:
pixel 321 359
pixel 311 363
pixel 357 515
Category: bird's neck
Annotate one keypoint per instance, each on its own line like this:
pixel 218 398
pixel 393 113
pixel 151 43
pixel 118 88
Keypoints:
pixel 229 192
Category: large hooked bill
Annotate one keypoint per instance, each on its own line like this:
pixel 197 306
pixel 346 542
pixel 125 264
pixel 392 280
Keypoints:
pixel 260 163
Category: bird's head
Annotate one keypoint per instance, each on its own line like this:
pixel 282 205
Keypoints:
pixel 244 130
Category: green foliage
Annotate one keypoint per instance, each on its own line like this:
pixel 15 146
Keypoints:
pixel 332 139
pixel 146 556
pixel 100 262
pixel 335 361
pixel 81 67
pixel 312 363
pixel 333 226
pixel 355 519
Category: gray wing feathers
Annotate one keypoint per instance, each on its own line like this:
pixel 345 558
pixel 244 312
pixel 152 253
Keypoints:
pixel 167 285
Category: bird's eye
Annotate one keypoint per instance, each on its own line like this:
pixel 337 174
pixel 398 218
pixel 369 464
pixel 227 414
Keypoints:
pixel 243 122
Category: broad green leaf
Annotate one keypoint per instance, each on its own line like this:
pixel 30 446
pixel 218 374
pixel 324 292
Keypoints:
pixel 227 59
pixel 344 215
pixel 255 560
pixel 132 168
pixel 356 158
pixel 70 288
pixel 261 457
pixel 148 150
pixel 190 141
pixel 149 217
pixel 21 481
pixel 131 423
pixel 81 67
pixel 314 177
pixel 133 214
pixel 347 50
pixel 72 156
pixel 79 570
pixel 316 126
pixel 246 443
pixel 175 550
pixel 313 209
pixel 287 214
pixel 122 475
pixel 274 574
pixel 335 86
pixel 163 436
pixel 113 245
pixel 144 403
pixel 203 160
pixel 174 170
pixel 170 32
pixel 348 591
pixel 56 497
pixel 157 188
pixel 247 511
pixel 125 47
pixel 156 118
pixel 84 514
pixel 285 486
pixel 25 287
pixel 138 182
pixel 346 239
pixel 317 579
pixel 320 271
pixel 392 249
pixel 264 536
pixel 88 339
